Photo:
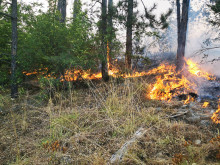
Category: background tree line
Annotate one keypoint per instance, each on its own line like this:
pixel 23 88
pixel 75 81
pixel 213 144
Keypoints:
pixel 35 40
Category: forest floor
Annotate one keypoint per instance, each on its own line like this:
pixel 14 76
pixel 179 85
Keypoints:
pixel 89 125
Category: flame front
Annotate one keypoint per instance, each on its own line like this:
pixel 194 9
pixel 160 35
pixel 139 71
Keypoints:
pixel 170 84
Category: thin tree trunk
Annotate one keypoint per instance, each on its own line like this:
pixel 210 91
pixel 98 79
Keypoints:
pixel 128 54
pixel 62 9
pixel 110 27
pixel 14 85
pixel 76 8
pixel 182 22
pixel 105 75
pixel 178 19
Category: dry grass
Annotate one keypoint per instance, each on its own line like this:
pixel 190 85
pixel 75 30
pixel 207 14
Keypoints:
pixel 87 126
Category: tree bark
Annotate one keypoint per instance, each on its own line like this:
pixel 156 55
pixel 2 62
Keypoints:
pixel 110 27
pixel 128 54
pixel 105 75
pixel 62 9
pixel 14 85
pixel 182 22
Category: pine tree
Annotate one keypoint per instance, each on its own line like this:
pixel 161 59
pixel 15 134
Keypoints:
pixel 129 25
pixel 137 23
pixel 182 23
pixel 110 30
pixel 14 85
pixel 103 29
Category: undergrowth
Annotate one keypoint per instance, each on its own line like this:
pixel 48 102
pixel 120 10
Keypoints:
pixel 87 126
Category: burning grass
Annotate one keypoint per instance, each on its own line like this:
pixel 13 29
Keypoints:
pixel 87 126
pixel 216 115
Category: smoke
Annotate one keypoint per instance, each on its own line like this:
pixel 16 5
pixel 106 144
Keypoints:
pixel 200 34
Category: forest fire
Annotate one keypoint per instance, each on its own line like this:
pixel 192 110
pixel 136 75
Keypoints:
pixel 169 84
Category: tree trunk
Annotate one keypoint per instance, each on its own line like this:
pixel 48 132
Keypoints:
pixel 62 9
pixel 105 75
pixel 182 22
pixel 110 30
pixel 129 24
pixel 76 8
pixel 14 85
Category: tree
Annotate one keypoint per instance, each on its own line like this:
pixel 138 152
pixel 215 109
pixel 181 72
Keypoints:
pixel 77 7
pixel 182 23
pixel 61 7
pixel 215 8
pixel 129 24
pixel 14 85
pixel 136 24
pixel 110 30
pixel 14 43
pixel 103 29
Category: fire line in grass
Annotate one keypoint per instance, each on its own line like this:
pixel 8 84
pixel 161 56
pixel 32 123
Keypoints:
pixel 169 84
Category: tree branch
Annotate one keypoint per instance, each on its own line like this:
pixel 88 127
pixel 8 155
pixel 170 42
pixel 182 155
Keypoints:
pixel 7 15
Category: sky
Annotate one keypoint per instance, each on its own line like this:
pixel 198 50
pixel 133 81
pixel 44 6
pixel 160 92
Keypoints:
pixel 199 29
pixel 162 4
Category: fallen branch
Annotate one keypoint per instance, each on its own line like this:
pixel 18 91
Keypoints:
pixel 178 115
pixel 118 156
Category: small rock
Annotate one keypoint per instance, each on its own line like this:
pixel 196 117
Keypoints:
pixel 198 142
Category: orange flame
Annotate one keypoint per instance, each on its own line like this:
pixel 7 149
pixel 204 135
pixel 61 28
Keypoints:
pixel 205 104
pixel 170 84
pixel 193 68
pixel 216 115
